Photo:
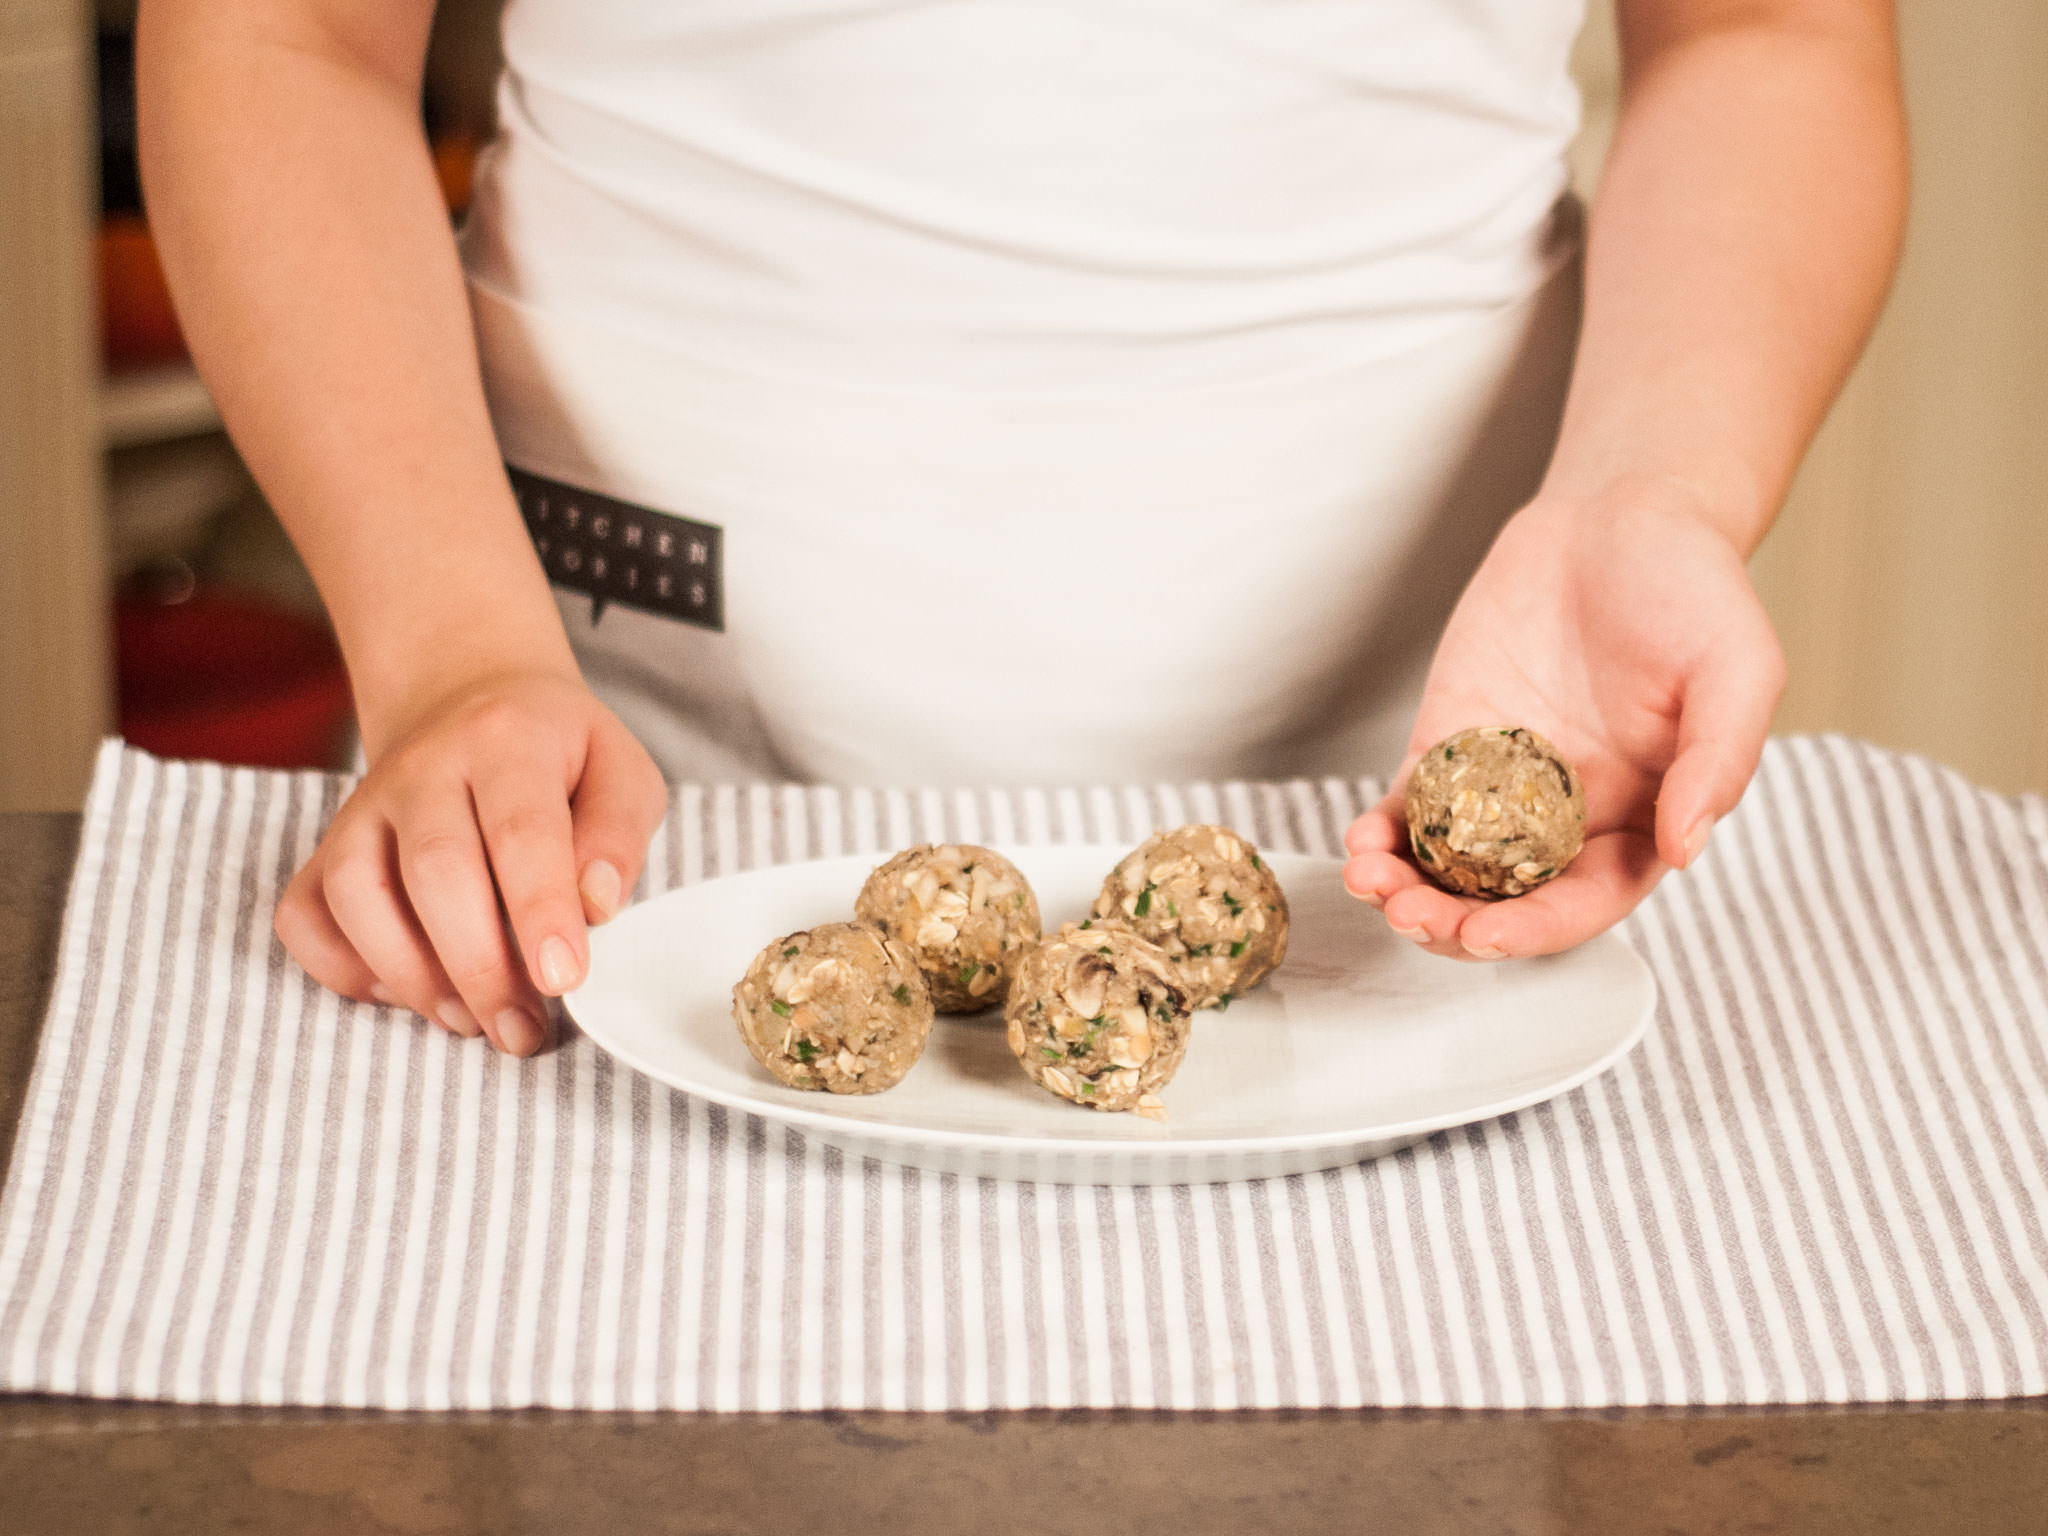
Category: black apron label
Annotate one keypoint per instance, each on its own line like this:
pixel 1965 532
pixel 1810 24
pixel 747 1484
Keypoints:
pixel 619 553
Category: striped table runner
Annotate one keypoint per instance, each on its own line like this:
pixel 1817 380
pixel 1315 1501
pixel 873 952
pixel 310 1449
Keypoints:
pixel 1820 1179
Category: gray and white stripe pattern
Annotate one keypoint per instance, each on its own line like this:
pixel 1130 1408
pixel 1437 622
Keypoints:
pixel 1821 1178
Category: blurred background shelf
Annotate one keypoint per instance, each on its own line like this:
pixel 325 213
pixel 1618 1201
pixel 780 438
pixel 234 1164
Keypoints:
pixel 154 405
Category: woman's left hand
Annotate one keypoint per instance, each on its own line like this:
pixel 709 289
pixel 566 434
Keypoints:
pixel 1626 631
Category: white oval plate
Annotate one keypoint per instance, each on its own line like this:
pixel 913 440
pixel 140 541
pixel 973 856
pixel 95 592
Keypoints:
pixel 1358 1045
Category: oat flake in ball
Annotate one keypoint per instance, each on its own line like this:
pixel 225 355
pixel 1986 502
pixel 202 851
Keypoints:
pixel 840 1008
pixel 1100 1017
pixel 966 913
pixel 1203 895
pixel 1495 812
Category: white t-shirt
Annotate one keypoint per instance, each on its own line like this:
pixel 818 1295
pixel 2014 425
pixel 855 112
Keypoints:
pixel 1085 388
pixel 1028 194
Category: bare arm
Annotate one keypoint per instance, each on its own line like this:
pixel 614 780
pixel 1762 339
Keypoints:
pixel 291 190
pixel 1742 240
pixel 292 194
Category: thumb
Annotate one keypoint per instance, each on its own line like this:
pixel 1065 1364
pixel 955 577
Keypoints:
pixel 1724 716
pixel 618 803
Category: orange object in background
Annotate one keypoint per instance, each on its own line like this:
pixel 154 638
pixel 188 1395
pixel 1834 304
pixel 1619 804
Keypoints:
pixel 138 325
pixel 455 168
pixel 218 675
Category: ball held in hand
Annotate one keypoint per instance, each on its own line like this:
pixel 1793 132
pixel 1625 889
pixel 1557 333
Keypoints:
pixel 1495 812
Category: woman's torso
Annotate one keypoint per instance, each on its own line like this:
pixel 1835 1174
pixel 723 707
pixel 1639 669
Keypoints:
pixel 923 303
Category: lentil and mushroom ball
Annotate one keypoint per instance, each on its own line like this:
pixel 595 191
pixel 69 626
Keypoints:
pixel 1495 812
pixel 841 1008
pixel 1202 894
pixel 1100 1017
pixel 966 913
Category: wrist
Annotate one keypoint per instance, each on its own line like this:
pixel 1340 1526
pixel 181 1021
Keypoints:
pixel 405 675
pixel 1570 506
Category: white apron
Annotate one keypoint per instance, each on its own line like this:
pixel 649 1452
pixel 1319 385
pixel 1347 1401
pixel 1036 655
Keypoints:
pixel 955 590
pixel 1119 390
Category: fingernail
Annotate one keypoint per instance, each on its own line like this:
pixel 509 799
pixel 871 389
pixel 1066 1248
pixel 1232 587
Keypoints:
pixel 520 1032
pixel 379 993
pixel 453 1016
pixel 558 970
pixel 1372 899
pixel 1696 839
pixel 1419 935
pixel 602 888
pixel 1485 952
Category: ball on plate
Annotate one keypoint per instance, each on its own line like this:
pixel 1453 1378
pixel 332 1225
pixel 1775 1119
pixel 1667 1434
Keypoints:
pixel 1100 1017
pixel 1495 812
pixel 841 1008
pixel 966 913
pixel 1203 895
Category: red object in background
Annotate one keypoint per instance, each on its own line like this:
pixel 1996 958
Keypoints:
pixel 138 325
pixel 219 676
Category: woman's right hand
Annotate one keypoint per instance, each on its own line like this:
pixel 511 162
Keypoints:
pixel 294 201
pixel 458 878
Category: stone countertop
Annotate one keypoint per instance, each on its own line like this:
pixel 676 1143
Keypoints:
pixel 72 1465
